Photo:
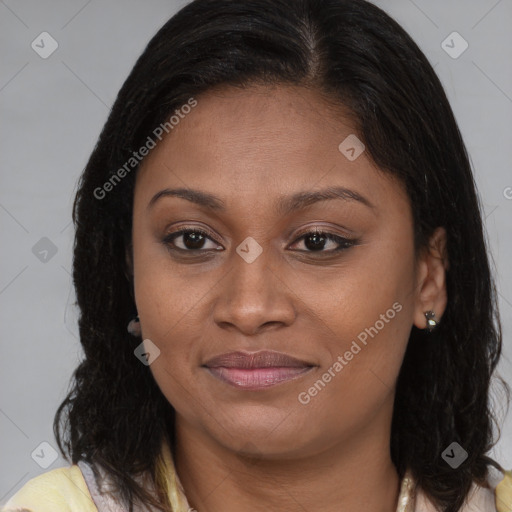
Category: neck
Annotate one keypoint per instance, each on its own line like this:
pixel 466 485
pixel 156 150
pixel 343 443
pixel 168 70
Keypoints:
pixel 353 475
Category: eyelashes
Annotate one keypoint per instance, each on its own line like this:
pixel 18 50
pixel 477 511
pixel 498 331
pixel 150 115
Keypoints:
pixel 197 238
pixel 170 238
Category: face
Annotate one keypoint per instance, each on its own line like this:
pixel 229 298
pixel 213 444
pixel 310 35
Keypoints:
pixel 280 322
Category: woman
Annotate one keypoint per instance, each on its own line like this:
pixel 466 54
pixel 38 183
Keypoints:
pixel 281 208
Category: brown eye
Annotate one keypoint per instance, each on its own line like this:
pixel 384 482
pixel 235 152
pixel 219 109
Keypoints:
pixel 192 240
pixel 317 241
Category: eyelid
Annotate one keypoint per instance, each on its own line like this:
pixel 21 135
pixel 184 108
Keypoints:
pixel 307 230
pixel 321 230
pixel 170 237
pixel 342 241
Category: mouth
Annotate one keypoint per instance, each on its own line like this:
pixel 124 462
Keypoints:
pixel 258 370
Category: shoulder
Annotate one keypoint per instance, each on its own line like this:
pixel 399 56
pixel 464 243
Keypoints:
pixel 503 492
pixel 496 497
pixel 58 490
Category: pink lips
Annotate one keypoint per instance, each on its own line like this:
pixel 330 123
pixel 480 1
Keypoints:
pixel 257 370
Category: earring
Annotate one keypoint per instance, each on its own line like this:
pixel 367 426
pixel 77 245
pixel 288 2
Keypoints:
pixel 432 323
pixel 134 327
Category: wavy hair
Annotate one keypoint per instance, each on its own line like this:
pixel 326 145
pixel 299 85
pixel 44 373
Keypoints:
pixel 357 57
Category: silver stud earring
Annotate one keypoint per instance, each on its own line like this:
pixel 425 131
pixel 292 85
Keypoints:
pixel 432 323
pixel 134 327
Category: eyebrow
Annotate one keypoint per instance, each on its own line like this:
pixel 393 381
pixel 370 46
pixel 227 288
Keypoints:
pixel 284 205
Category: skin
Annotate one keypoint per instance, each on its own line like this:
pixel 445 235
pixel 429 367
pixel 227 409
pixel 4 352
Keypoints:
pixel 264 450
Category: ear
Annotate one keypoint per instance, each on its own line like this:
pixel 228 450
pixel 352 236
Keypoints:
pixel 431 279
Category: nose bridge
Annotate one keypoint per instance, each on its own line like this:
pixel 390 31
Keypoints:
pixel 252 294
pixel 252 274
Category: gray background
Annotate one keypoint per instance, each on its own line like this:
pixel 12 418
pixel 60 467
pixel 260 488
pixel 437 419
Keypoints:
pixel 52 113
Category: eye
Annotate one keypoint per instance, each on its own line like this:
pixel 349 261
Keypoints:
pixel 193 239
pixel 196 240
pixel 317 240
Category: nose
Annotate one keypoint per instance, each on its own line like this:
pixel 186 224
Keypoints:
pixel 254 297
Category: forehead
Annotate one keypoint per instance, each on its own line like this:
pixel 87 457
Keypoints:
pixel 259 143
pixel 285 120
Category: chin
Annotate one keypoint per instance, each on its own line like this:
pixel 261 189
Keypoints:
pixel 266 437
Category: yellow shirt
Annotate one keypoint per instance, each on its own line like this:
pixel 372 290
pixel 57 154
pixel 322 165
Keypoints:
pixel 66 490
pixel 58 490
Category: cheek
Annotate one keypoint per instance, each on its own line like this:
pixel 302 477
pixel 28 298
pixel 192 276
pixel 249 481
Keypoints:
pixel 168 304
pixel 368 309
pixel 170 311
pixel 174 302
pixel 168 294
pixel 359 296
pixel 362 368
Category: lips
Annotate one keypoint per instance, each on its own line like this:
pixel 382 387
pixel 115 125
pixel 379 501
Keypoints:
pixel 263 359
pixel 256 370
